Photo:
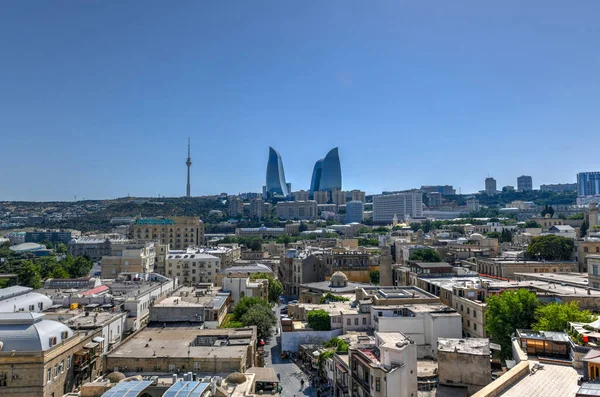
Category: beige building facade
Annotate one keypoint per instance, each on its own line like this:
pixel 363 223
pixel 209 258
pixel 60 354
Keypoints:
pixel 287 210
pixel 129 258
pixel 179 232
pixel 192 266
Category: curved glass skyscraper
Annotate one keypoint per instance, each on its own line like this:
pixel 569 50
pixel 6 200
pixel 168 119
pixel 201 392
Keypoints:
pixel 276 184
pixel 327 174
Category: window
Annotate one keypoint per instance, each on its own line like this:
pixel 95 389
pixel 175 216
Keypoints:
pixel 475 326
pixel 597 249
pixel 49 375
pixel 31 308
pixel 349 322
pixel 474 314
pixel 378 384
pixel 468 323
pixel 461 308
pixel 68 362
pixel 585 249
pixel 595 270
pixel 364 321
pixel 468 310
pixel 62 366
pixel 55 370
pixel 356 321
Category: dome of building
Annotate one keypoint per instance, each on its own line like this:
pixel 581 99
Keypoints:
pixel 115 377
pixel 25 331
pixel 338 279
pixel 476 236
pixel 235 378
pixel 27 247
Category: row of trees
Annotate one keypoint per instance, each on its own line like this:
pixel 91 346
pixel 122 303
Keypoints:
pixel 521 309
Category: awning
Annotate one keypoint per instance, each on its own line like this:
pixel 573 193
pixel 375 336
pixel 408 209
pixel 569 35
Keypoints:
pixel 98 339
pixel 90 345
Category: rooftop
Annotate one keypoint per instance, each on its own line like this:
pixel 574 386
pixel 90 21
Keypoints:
pixel 154 222
pixel 399 292
pixel 325 286
pixel 474 346
pixel 429 265
pixel 210 299
pixel 543 335
pixel 551 381
pixel 175 342
pixel 248 268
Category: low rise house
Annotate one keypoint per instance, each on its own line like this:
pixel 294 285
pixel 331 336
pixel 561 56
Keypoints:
pixel 193 305
pixel 464 363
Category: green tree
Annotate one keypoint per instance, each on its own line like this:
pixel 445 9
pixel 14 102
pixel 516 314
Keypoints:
pixel 507 312
pixel 262 317
pixel 80 267
pixel 319 320
pixel 551 247
pixel 548 210
pixel 497 235
pixel 302 227
pixel 329 297
pixel 51 268
pixel 425 255
pixel 374 276
pixel 506 236
pixel 245 303
pixel 531 223
pixel 577 216
pixel 29 275
pixel 366 242
pixel 584 228
pixel 61 248
pixel 340 345
pixel 555 316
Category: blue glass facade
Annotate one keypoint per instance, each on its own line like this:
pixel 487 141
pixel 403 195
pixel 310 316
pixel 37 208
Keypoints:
pixel 316 176
pixel 276 184
pixel 331 174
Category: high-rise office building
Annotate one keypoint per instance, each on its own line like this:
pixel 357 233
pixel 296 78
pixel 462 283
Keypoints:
pixel 402 205
pixel 355 211
pixel 588 184
pixel 327 173
pixel 524 183
pixel 276 184
pixel 490 185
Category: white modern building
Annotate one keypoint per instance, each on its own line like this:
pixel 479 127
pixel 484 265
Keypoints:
pixel 402 205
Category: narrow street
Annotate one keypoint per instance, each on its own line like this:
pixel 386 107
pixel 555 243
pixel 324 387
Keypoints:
pixel 287 371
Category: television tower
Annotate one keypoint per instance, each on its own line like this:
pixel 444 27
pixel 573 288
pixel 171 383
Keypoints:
pixel 189 164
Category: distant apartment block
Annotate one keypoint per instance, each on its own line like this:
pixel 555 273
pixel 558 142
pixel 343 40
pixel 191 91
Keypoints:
pixel 588 183
pixel 559 187
pixel 338 197
pixel 94 247
pixel 257 208
pixel 490 185
pixel 357 195
pixel 301 195
pixel 355 211
pixel 235 206
pixel 321 197
pixel 444 190
pixel 287 210
pixel 524 183
pixel 179 232
pixel 192 266
pixel 401 205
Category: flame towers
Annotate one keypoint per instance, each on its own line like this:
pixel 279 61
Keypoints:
pixel 327 173
pixel 276 184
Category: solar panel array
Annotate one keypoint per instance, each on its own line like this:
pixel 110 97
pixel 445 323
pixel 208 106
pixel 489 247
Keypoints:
pixel 186 389
pixel 128 389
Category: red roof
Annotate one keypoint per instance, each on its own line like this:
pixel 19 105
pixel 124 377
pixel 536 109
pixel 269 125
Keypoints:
pixel 95 291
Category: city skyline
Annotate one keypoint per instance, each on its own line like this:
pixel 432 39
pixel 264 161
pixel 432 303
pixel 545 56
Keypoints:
pixel 401 89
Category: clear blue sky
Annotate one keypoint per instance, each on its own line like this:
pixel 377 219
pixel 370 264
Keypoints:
pixel 97 98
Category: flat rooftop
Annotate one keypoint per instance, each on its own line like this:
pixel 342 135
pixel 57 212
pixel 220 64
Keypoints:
pixel 473 346
pixel 333 308
pixel 580 279
pixel 400 292
pixel 551 381
pixel 156 342
pixel 418 307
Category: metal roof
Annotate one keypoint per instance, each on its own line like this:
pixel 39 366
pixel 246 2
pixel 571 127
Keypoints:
pixel 128 389
pixel 186 389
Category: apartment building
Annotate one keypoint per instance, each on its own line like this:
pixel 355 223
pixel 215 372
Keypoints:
pixel 179 232
pixel 129 258
pixel 387 369
pixel 192 266
pixel 288 210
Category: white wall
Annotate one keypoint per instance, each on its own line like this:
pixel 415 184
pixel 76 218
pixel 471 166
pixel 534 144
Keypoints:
pixel 402 382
